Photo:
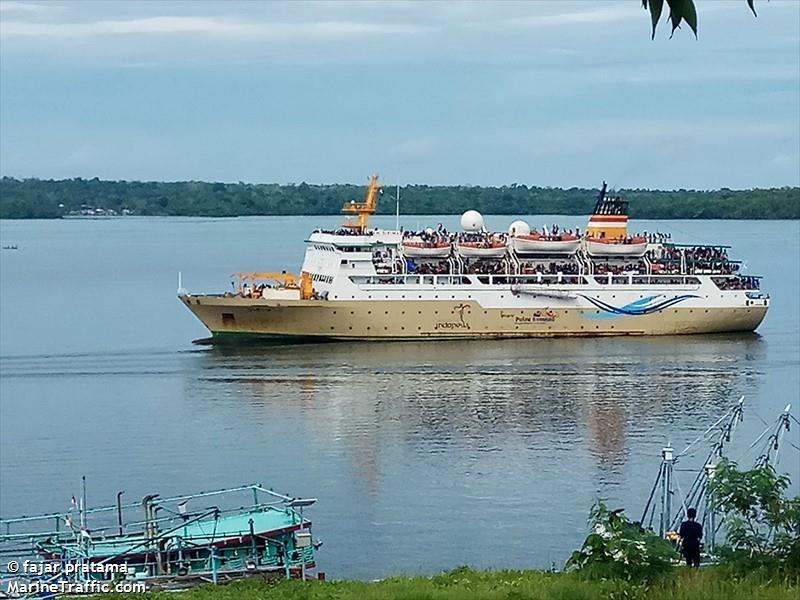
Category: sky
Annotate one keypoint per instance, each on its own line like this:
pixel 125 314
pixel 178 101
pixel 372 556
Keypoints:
pixel 549 93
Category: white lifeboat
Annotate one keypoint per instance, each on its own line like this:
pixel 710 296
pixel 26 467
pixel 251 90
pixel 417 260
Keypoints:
pixel 491 248
pixel 420 249
pixel 634 246
pixel 537 243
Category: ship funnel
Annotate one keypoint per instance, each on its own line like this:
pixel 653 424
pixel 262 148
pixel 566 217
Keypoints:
pixel 610 217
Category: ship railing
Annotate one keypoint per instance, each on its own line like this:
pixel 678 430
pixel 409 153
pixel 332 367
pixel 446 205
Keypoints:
pixel 58 518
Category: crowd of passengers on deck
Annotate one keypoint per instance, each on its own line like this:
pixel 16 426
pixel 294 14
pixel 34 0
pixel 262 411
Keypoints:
pixel 553 268
pixel 740 282
pixel 619 269
pixel 342 231
pixel 481 239
pixel 696 253
pixel 486 267
pixel 430 236
pixel 658 237
pixel 428 268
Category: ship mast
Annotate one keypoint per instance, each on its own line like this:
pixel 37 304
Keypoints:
pixel 364 209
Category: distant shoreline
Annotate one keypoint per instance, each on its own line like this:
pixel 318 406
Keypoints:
pixel 81 198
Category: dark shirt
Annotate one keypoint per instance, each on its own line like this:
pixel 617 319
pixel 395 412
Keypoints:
pixel 691 533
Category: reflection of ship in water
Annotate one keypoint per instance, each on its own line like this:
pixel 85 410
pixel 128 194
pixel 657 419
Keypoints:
pixel 582 397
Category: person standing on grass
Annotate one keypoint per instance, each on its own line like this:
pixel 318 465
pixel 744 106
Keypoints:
pixel 691 533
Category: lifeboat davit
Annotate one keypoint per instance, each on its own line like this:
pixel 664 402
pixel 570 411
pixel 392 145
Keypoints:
pixel 635 246
pixel 419 249
pixel 536 243
pixel 493 249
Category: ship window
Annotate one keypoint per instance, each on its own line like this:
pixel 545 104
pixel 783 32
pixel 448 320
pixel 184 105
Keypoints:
pixel 228 319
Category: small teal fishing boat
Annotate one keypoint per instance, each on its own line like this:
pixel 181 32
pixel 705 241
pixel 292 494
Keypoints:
pixel 179 541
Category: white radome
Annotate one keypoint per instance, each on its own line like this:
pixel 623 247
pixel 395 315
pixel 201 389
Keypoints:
pixel 519 228
pixel 472 220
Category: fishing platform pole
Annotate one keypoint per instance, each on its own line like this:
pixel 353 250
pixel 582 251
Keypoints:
pixel 774 440
pixel 697 491
pixel 710 470
pixel 668 458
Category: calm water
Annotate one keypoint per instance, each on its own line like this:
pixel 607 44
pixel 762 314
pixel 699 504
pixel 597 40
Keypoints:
pixel 424 456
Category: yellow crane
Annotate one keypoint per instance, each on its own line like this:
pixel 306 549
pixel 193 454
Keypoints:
pixel 363 209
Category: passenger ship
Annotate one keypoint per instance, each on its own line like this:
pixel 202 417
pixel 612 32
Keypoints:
pixel 361 283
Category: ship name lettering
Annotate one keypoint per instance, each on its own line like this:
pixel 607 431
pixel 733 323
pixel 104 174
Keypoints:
pixel 450 325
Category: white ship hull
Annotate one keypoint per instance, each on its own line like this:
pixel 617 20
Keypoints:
pixel 531 316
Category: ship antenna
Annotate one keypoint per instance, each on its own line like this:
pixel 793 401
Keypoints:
pixel 603 191
pixel 397 207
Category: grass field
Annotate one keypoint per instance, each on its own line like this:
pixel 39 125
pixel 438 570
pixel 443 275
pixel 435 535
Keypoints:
pixel 707 584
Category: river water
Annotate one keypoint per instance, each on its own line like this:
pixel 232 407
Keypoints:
pixel 424 456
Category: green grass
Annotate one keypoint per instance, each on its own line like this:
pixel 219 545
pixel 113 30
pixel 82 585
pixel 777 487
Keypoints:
pixel 707 584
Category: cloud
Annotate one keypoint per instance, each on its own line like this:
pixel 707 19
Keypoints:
pixel 11 6
pixel 163 25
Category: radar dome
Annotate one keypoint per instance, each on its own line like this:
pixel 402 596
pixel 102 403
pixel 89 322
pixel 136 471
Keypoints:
pixel 519 228
pixel 429 231
pixel 472 220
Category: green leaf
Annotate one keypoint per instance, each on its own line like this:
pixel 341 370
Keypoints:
pixel 690 15
pixel 675 13
pixel 656 6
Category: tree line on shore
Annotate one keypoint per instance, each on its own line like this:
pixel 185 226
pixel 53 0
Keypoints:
pixel 47 199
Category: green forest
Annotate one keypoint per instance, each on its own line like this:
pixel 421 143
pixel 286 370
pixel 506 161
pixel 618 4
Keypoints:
pixel 52 199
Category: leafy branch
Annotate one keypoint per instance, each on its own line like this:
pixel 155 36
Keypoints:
pixel 680 11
